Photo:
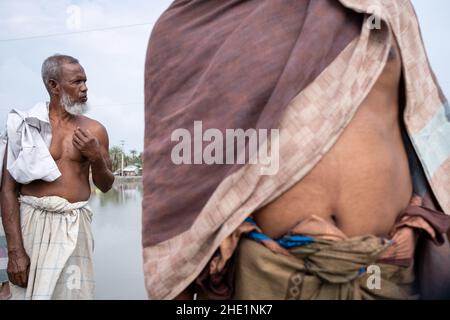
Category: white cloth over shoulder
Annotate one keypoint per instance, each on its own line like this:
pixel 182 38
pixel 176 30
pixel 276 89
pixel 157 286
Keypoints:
pixel 58 239
pixel 27 141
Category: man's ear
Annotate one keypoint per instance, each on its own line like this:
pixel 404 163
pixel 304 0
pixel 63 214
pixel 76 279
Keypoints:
pixel 54 87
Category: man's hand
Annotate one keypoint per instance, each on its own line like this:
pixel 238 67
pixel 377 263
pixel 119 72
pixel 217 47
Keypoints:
pixel 18 268
pixel 87 144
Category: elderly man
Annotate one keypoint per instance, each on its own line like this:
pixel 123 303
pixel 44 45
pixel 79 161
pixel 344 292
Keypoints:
pixel 49 153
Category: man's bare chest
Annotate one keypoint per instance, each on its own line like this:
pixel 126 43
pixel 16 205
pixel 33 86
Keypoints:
pixel 62 147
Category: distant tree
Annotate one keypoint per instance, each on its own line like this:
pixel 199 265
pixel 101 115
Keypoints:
pixel 115 154
pixel 134 158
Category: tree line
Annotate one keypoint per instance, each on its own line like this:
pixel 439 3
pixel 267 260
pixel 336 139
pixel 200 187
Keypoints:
pixel 132 158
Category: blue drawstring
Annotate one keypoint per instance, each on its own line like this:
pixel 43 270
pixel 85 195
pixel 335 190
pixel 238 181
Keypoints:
pixel 286 242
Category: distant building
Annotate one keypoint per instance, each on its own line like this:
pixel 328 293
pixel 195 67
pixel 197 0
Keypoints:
pixel 131 170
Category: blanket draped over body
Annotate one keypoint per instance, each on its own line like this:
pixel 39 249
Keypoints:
pixel 303 67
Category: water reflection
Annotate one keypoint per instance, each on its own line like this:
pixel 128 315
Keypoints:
pixel 117 232
pixel 123 190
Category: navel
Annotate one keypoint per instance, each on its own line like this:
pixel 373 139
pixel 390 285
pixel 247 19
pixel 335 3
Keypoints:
pixel 392 54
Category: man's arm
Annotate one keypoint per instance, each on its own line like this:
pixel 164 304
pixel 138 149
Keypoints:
pixel 18 260
pixel 95 148
pixel 102 167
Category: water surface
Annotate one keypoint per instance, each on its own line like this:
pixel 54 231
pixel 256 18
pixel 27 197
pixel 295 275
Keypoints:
pixel 116 226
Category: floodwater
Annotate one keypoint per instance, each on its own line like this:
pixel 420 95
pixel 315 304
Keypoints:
pixel 116 226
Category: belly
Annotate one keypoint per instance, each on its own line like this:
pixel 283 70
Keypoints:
pixel 362 184
pixel 73 185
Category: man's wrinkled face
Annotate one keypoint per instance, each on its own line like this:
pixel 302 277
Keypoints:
pixel 73 95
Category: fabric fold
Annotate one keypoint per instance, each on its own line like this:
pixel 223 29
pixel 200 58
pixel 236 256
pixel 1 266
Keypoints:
pixel 27 141
pixel 58 240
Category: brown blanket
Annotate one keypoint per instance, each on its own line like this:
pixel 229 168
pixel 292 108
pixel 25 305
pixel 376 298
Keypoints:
pixel 231 64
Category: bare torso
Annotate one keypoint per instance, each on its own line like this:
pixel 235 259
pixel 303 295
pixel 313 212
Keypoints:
pixel 73 184
pixel 363 183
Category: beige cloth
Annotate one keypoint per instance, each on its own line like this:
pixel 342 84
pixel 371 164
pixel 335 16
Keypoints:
pixel 324 269
pixel 58 239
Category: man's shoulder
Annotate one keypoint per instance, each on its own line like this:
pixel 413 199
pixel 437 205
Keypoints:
pixel 92 125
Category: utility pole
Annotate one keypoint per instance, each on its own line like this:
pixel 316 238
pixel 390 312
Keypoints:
pixel 122 143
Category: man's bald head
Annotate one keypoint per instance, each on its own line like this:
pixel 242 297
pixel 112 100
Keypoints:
pixel 52 68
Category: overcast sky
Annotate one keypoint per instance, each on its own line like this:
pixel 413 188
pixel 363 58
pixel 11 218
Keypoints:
pixel 114 58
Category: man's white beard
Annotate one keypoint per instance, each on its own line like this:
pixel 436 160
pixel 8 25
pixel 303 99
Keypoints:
pixel 71 107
